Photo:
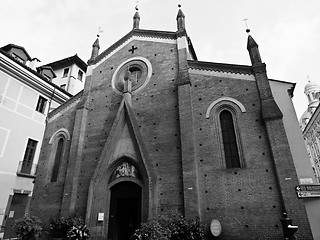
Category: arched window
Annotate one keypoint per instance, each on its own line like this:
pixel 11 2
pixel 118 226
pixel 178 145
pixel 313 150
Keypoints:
pixel 229 140
pixel 57 161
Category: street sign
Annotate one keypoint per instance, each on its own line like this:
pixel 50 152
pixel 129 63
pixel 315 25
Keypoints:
pixel 308 191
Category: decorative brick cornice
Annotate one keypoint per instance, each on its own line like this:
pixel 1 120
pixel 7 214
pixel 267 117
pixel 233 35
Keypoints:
pixel 135 33
pixel 63 108
pixel 220 67
pixel 181 33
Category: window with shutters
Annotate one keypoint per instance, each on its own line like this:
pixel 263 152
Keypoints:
pixel 27 163
pixel 80 75
pixel 65 72
pixel 41 104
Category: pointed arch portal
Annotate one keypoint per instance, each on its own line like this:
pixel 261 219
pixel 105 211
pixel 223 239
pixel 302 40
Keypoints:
pixel 125 210
pixel 121 188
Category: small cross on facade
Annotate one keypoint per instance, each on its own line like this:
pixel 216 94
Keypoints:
pixel 133 48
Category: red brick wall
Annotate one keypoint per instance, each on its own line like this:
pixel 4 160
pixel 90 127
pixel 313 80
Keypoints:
pixel 246 201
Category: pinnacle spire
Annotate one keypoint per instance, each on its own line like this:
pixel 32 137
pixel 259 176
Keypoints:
pixel 95 49
pixel 180 19
pixel 253 49
pixel 136 18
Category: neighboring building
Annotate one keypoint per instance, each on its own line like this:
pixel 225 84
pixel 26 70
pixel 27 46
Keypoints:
pixel 312 91
pixel 299 153
pixel 311 134
pixel 26 94
pixel 310 126
pixel 70 73
pixel 155 131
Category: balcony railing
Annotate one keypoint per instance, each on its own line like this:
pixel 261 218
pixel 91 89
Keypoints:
pixel 27 170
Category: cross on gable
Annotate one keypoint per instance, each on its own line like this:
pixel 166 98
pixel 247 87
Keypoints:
pixel 133 48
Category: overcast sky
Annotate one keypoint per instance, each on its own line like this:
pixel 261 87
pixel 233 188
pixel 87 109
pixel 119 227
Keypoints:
pixel 287 31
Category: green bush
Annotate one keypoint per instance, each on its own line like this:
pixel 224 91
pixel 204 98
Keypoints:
pixel 71 227
pixel 78 232
pixel 59 227
pixel 164 228
pixel 28 228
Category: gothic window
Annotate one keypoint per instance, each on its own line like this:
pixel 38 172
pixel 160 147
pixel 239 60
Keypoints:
pixel 136 70
pixel 229 140
pixel 59 145
pixel 57 161
pixel 135 74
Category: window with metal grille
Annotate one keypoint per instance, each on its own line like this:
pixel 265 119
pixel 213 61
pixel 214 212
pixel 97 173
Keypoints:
pixel 29 156
pixel 229 140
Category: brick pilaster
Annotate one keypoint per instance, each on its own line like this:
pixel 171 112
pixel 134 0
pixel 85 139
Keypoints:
pixel 189 166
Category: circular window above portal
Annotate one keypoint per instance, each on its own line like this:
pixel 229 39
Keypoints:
pixel 137 70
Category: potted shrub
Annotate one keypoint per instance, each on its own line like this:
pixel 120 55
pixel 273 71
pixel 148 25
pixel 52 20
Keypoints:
pixel 28 228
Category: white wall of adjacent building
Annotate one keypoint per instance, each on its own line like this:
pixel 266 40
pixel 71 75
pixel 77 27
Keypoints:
pixel 298 150
pixel 21 119
pixel 71 82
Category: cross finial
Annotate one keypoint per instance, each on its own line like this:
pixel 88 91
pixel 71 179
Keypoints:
pixel 308 78
pixel 245 21
pixel 136 7
pixel 99 31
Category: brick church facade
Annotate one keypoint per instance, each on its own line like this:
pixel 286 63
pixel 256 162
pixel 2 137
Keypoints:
pixel 157 132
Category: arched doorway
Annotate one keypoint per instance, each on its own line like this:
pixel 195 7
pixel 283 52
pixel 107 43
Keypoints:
pixel 125 210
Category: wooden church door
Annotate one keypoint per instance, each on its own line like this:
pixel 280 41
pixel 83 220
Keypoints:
pixel 125 210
